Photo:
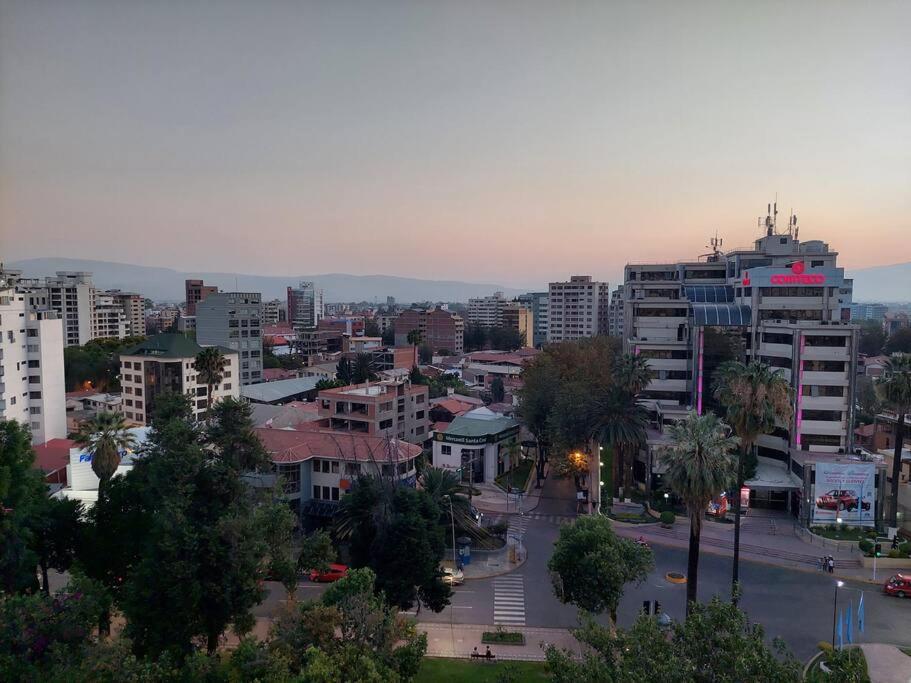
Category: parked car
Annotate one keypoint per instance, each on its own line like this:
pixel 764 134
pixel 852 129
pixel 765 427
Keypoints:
pixel 840 499
pixel 453 577
pixel 336 572
pixel 898 585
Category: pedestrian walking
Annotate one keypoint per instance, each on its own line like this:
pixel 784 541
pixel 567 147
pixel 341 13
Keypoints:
pixel 831 564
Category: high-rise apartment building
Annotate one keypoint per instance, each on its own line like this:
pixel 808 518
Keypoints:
pixel 133 306
pixel 517 316
pixel 232 320
pixel 305 305
pixel 783 302
pixel 273 312
pixel 439 329
pixel 31 363
pixel 615 313
pixel 71 294
pixel 578 309
pixel 167 363
pixel 539 303
pixel 196 291
pixel 109 320
pixel 487 311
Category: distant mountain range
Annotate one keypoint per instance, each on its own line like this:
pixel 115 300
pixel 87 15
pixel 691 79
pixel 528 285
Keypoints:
pixel 166 284
pixel 882 283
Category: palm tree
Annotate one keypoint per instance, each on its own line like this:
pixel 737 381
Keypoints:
pixel 104 436
pixel 210 366
pixel 754 397
pixel 699 466
pixel 363 369
pixel 894 387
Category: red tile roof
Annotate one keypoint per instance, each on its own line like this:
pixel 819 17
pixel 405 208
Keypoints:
pixel 272 374
pixel 440 426
pixel 454 406
pixel 288 446
pixel 53 456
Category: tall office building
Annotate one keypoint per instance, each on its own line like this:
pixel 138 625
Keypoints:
pixel 539 303
pixel 273 312
pixel 615 313
pixel 71 294
pixel 32 389
pixel 232 320
pixel 305 305
pixel 196 291
pixel 783 302
pixel 578 309
pixel 518 316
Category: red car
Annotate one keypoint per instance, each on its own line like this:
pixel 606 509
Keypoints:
pixel 898 585
pixel 840 499
pixel 336 571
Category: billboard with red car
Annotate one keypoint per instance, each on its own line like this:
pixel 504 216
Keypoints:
pixel 845 493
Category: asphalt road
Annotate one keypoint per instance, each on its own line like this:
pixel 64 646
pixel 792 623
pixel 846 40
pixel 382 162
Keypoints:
pixel 794 605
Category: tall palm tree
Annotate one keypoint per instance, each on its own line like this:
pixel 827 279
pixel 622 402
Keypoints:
pixel 699 466
pixel 210 367
pixel 104 436
pixel 754 397
pixel 894 387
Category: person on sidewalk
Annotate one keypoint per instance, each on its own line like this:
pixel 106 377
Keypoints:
pixel 831 564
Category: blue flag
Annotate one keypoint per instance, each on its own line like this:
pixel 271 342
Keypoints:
pixel 840 629
pixel 860 614
pixel 849 636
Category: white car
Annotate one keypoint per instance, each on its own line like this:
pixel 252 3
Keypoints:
pixel 453 577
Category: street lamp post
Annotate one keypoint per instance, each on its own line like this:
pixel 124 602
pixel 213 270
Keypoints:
pixel 838 584
pixel 452 519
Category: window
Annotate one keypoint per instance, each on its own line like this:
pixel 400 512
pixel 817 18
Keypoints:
pixel 335 493
pixel 316 492
pixel 128 402
pixel 139 404
pixel 35 395
pixel 201 403
pixel 352 469
pixel 226 386
pixel 385 424
pixel 446 450
pixel 34 410
pixel 327 493
pixel 138 391
pixel 33 364
pixel 334 465
pixel 419 415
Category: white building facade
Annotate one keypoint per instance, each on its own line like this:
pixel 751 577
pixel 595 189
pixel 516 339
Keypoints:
pixel 577 309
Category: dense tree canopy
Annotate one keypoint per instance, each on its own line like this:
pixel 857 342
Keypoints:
pixel 95 365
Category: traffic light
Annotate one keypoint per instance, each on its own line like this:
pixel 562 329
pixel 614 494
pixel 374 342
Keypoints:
pixel 646 607
pixel 878 549
pixel 657 607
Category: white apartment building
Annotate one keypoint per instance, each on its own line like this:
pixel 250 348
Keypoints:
pixel 273 312
pixel 487 311
pixel 32 388
pixel 539 304
pixel 783 302
pixel 108 318
pixel 133 306
pixel 167 362
pixel 71 295
pixel 577 309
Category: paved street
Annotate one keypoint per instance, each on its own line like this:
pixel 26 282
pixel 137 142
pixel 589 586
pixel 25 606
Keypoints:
pixel 793 604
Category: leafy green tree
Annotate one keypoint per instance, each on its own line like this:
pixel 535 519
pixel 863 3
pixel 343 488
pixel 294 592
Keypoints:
pixel 105 436
pixel 396 531
pixel 210 368
pixel 363 369
pixel 872 338
pixel 505 338
pixel 754 397
pixel 229 433
pixel 371 328
pixel 345 372
pixel 894 387
pixel 497 390
pixel 540 384
pixel 317 552
pixel 898 342
pixel 622 423
pixel 869 404
pixel 23 507
pixel 277 523
pixel 699 466
pixel 324 384
pixel 590 565
pixel 57 535
pixel 416 377
pixel 715 644
pixel 310 624
pixel 389 336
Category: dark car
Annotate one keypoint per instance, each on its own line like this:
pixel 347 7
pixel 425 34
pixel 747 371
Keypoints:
pixel 898 585
pixel 840 499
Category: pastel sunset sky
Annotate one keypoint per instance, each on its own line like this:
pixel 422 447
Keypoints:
pixel 501 141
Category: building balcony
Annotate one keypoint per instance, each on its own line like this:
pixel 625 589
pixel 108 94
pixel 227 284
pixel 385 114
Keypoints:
pixel 830 379
pixel 777 350
pixel 824 403
pixel 824 427
pixel 826 353
pixel 668 363
pixel 668 385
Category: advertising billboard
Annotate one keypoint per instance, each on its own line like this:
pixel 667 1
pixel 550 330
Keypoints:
pixel 846 492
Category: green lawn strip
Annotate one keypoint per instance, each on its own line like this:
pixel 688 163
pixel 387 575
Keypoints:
pixel 502 637
pixel 438 670
pixel 840 534
pixel 520 475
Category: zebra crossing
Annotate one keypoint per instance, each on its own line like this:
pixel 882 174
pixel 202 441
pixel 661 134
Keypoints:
pixel 509 600
pixel 515 520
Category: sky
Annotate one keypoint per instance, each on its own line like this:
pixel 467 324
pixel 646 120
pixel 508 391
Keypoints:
pixel 495 141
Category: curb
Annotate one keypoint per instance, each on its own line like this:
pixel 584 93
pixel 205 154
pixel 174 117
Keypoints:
pixel 502 572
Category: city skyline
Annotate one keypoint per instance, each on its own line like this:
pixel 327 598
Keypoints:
pixel 399 139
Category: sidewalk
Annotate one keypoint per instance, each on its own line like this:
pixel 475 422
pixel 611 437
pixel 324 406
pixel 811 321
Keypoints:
pixel 493 499
pixel 484 564
pixel 762 539
pixel 886 663
pixel 444 640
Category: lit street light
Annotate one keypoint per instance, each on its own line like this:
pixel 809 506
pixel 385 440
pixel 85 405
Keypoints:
pixel 838 584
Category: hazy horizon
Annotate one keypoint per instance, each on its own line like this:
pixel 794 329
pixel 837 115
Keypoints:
pixel 505 142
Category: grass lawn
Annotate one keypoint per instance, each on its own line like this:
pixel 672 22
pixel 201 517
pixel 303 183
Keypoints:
pixel 519 475
pixel 840 534
pixel 435 670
